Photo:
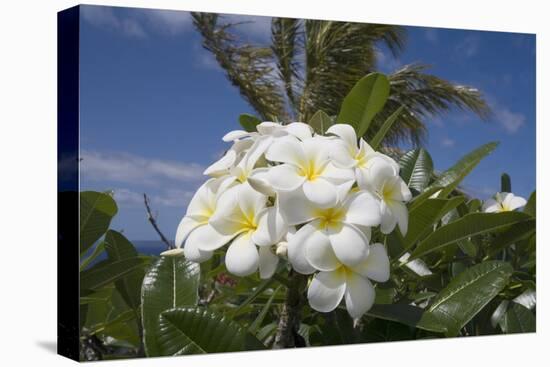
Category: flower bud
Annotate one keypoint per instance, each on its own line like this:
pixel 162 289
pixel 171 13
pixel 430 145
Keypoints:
pixel 282 249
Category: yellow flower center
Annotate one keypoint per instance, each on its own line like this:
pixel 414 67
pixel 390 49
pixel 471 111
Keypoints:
pixel 361 159
pixel 387 192
pixel 310 170
pixel 330 218
pixel 249 222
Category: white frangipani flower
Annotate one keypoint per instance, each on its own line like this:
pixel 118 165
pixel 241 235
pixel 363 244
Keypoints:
pixel 243 216
pixel 393 193
pixel 345 153
pixel 352 283
pixel 306 165
pixel 194 228
pixel 230 158
pixel 503 202
pixel 331 236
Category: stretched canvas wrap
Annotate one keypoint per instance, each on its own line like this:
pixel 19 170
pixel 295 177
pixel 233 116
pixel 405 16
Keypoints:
pixel 235 183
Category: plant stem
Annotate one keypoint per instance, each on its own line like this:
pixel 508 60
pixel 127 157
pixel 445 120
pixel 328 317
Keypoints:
pixel 289 322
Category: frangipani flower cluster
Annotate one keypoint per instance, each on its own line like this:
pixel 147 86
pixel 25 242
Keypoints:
pixel 286 192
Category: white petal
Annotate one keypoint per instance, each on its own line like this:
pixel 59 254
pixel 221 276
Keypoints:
pixel 399 211
pixel 349 244
pixel 222 165
pixel 338 175
pixel 326 290
pixel 186 226
pixel 360 294
pixel 255 152
pixel 346 132
pixel 267 263
pixel 300 130
pixel 296 208
pixel 376 174
pixel 250 201
pixel 204 200
pixel 377 265
pixel 228 218
pixel 236 134
pixel 341 155
pixel 491 206
pixel 297 249
pixel 268 128
pixel 388 220
pixel 398 189
pixel 319 252
pixel 285 177
pixel 191 249
pixel 316 152
pixel 175 252
pixel 363 209
pixel 321 192
pixel 365 149
pixel 242 256
pixel 512 202
pixel 286 150
pixel 206 238
pixel 272 226
pixel 258 179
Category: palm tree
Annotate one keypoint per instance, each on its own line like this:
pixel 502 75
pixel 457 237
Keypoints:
pixel 311 65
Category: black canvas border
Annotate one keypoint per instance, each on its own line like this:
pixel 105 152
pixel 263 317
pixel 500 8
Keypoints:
pixel 68 308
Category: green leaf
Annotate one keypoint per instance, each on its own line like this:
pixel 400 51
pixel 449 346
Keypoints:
pixel 467 294
pixel 170 282
pixel 515 233
pixel 518 319
pixel 320 122
pixel 424 216
pixel 404 314
pixel 531 206
pixel 263 313
pixel 96 211
pixel 364 101
pixel 198 330
pixel 257 291
pixel 386 126
pixel 505 183
pixel 470 225
pixel 416 169
pixel 108 272
pixel 129 287
pixel 248 122
pixel 98 250
pixel 452 177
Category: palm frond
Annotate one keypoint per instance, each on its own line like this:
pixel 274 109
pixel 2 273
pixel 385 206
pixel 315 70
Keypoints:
pixel 248 67
pixel 285 35
pixel 425 95
pixel 338 54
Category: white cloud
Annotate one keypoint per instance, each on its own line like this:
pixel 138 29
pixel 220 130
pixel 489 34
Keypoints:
pixel 511 121
pixel 168 21
pixel 129 168
pixel 447 143
pixel 136 23
pixel 168 198
pixel 105 17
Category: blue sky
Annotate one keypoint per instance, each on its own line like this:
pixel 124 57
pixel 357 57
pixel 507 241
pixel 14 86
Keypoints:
pixel 154 106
